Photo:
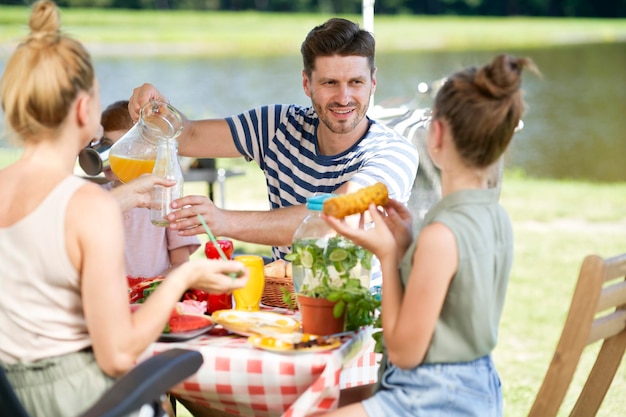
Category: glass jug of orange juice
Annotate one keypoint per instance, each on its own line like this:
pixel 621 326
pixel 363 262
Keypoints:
pixel 135 153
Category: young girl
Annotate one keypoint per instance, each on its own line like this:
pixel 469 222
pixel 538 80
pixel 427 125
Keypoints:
pixel 149 250
pixel 66 329
pixel 443 294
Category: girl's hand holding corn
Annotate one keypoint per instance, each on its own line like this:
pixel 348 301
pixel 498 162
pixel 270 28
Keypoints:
pixel 357 202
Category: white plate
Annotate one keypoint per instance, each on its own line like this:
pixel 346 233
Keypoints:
pixel 247 323
pixel 285 346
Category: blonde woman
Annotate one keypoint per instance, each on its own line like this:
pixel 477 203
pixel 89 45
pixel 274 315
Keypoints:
pixel 66 329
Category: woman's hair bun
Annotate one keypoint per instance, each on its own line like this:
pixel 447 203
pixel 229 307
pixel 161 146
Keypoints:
pixel 44 19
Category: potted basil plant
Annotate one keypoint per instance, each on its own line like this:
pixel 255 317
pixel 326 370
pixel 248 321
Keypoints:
pixel 335 273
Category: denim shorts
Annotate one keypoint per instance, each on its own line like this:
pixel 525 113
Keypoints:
pixel 468 389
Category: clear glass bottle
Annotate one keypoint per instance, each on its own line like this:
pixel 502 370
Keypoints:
pixel 168 166
pixel 321 257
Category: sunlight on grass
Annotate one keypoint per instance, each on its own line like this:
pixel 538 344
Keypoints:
pixel 221 33
pixel 556 225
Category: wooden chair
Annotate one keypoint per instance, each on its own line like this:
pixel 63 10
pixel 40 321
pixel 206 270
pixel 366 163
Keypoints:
pixel 597 312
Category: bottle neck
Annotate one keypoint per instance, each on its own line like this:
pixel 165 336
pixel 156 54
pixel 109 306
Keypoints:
pixel 166 163
pixel 167 143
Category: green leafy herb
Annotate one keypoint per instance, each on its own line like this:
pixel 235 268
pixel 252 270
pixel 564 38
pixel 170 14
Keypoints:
pixel 338 270
pixel 378 335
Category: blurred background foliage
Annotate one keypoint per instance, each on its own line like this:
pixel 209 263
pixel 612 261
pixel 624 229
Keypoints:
pixel 554 8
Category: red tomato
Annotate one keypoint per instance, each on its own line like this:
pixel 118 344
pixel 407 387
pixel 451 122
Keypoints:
pixel 143 288
pixel 227 247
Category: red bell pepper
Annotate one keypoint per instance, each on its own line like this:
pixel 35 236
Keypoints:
pixel 219 301
pixel 225 244
pixel 196 295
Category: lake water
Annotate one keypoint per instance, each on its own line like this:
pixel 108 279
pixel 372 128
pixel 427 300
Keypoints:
pixel 574 126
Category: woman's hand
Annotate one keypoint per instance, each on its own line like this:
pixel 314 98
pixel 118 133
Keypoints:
pixel 137 193
pixel 214 276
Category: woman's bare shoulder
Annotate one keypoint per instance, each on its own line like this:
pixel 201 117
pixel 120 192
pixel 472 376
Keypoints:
pixel 93 201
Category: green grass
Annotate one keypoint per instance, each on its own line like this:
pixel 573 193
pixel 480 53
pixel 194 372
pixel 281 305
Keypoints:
pixel 252 33
pixel 556 225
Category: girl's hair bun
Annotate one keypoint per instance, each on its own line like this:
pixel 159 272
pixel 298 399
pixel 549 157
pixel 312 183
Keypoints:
pixel 503 76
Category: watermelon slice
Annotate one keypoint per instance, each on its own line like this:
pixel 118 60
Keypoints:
pixel 180 322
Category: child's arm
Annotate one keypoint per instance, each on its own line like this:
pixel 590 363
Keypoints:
pixel 180 248
pixel 178 256
pixel 409 319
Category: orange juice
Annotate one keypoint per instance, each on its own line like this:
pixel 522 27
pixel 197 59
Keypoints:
pixel 248 298
pixel 127 169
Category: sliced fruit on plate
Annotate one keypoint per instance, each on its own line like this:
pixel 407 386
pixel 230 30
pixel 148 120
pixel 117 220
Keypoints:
pixel 179 322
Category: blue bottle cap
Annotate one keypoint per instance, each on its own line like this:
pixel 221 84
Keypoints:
pixel 316 202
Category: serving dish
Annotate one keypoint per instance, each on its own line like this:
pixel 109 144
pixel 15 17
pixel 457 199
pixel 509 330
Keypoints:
pixel 248 323
pixel 293 344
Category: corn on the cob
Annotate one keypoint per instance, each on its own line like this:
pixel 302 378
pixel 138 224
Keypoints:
pixel 357 202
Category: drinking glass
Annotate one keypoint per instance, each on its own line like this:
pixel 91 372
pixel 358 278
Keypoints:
pixel 248 298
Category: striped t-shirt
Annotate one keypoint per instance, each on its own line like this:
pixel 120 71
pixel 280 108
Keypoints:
pixel 282 140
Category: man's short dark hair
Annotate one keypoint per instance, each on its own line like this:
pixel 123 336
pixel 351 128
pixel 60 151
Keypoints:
pixel 337 37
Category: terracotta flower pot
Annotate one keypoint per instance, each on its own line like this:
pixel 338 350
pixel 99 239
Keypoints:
pixel 317 316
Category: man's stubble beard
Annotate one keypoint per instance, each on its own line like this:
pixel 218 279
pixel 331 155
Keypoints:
pixel 340 127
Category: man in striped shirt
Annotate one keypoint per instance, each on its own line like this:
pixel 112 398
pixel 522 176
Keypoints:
pixel 330 147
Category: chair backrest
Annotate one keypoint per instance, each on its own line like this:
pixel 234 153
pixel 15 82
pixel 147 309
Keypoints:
pixel 597 313
pixel 9 403
pixel 142 386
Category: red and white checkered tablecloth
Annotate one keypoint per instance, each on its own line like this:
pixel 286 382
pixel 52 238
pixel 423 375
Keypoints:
pixel 242 380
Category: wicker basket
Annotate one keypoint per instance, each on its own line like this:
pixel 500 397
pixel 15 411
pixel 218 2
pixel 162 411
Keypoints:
pixel 273 293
